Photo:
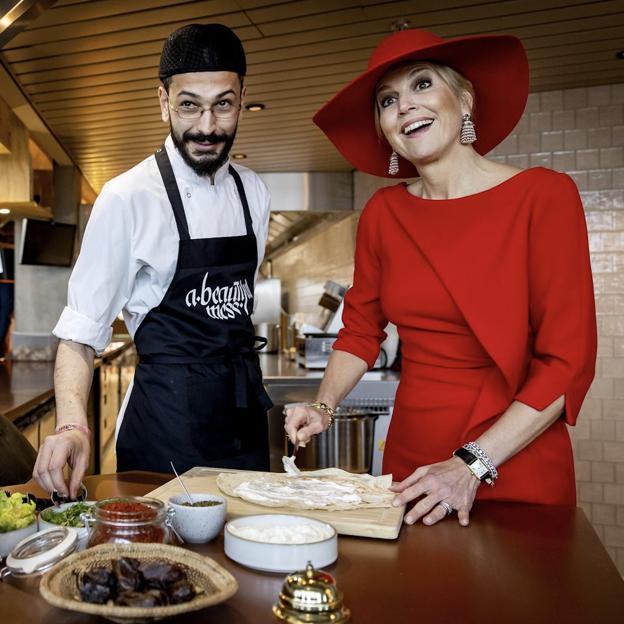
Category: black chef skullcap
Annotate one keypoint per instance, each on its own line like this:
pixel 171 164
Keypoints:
pixel 202 47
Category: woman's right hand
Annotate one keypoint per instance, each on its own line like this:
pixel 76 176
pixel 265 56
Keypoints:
pixel 69 447
pixel 302 422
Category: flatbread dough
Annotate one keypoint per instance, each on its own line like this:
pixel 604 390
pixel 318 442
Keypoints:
pixel 330 489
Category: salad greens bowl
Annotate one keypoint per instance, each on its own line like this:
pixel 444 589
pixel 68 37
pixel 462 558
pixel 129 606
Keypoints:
pixel 69 515
pixel 17 520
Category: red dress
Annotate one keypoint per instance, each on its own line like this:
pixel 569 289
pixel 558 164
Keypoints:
pixel 493 299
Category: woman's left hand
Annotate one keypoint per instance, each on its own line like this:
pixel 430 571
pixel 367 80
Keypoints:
pixel 450 481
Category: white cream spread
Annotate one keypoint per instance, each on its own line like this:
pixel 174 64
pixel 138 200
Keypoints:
pixel 283 534
pixel 290 467
pixel 330 489
pixel 317 493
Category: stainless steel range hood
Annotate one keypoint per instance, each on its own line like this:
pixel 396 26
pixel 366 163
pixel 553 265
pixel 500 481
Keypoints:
pixel 314 191
pixel 303 204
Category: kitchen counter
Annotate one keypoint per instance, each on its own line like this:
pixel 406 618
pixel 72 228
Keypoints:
pixel 514 564
pixel 279 368
pixel 24 386
pixel 288 382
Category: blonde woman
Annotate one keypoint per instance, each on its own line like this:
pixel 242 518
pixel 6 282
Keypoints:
pixel 483 267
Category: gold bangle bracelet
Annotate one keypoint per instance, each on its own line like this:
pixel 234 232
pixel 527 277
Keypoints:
pixel 329 411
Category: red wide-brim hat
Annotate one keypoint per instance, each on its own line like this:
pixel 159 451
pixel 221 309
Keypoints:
pixel 496 65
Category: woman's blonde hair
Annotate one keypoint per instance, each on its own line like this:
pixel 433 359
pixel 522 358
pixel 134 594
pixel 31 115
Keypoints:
pixel 459 85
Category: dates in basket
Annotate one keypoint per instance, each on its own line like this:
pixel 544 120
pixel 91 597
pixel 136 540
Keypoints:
pixel 133 583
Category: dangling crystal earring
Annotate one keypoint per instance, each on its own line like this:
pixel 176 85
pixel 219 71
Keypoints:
pixel 467 134
pixel 393 167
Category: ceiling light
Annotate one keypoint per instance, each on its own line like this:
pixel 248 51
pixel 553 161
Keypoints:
pixel 239 156
pixel 254 108
pixel 13 12
pixel 400 24
pixel 5 211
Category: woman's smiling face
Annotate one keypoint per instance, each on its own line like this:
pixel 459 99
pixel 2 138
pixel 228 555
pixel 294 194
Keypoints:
pixel 419 114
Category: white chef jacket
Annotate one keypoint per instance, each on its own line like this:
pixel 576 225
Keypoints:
pixel 130 246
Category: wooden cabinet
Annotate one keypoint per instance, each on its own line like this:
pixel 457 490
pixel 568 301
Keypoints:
pixel 109 400
pixel 114 379
pixel 126 375
pixel 31 433
pixel 47 423
pixel 38 424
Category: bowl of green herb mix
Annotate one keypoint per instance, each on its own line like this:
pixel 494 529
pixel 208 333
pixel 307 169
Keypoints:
pixel 70 515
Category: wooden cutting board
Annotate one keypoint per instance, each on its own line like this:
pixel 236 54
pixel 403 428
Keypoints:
pixel 383 523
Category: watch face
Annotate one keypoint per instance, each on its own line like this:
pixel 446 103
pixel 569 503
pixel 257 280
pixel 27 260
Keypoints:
pixel 479 468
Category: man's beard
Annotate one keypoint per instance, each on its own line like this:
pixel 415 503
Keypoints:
pixel 208 163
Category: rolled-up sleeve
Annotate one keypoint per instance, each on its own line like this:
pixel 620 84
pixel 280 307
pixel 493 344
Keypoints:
pixel 102 278
pixel 363 318
pixel 73 325
pixel 562 309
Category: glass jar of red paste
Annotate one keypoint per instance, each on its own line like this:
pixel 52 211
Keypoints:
pixel 130 519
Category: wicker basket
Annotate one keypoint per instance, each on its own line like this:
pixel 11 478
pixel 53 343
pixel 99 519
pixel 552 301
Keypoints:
pixel 213 583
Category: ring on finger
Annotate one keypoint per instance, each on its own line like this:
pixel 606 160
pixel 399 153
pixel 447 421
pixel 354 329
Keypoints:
pixel 447 508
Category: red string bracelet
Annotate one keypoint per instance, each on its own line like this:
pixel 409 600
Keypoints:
pixel 71 427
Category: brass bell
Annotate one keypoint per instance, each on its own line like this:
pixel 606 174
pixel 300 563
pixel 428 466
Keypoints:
pixel 310 596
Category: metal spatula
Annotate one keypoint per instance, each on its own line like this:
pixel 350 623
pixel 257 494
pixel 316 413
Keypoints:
pixel 289 462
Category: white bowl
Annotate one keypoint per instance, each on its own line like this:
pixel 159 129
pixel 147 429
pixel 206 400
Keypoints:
pixel 10 539
pixel 198 525
pixel 276 557
pixel 83 532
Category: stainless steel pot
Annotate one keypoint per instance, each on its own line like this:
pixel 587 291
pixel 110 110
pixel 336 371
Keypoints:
pixel 270 331
pixel 347 445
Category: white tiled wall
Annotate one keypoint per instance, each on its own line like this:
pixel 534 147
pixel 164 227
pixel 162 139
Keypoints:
pixel 581 132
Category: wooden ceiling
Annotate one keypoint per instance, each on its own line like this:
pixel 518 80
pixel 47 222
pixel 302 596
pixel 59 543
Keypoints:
pixel 89 67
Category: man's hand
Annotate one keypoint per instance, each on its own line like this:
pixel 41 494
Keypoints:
pixel 69 447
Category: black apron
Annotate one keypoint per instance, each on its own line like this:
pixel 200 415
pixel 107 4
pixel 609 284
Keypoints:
pixel 198 398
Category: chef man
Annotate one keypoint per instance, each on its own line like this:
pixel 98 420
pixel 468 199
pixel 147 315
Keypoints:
pixel 175 244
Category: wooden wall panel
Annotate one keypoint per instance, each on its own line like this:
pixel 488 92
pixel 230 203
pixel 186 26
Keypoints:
pixel 15 164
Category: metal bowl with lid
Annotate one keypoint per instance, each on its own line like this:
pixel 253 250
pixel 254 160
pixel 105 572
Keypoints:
pixel 311 596
pixel 36 554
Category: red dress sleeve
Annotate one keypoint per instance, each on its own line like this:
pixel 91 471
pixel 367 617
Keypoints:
pixel 363 318
pixel 561 302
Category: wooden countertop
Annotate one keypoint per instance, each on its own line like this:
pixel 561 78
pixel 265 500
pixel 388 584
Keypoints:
pixel 26 385
pixel 513 564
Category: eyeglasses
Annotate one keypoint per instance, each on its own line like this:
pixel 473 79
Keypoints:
pixel 223 109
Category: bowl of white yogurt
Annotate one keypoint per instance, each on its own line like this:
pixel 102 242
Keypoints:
pixel 280 542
